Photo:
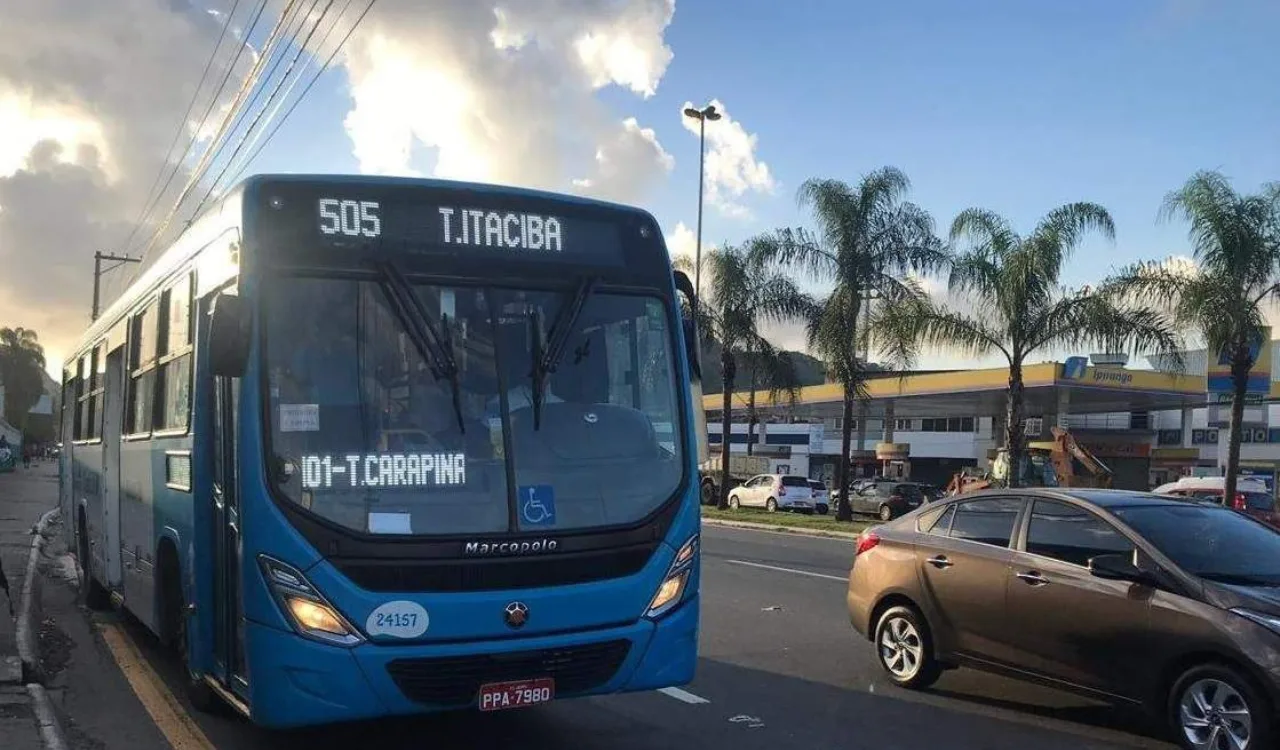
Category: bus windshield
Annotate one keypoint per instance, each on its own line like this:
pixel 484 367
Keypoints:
pixel 369 434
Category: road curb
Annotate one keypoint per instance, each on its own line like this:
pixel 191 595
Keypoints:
pixel 47 718
pixel 24 634
pixel 780 529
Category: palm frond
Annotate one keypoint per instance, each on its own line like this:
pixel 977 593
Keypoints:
pixel 903 329
pixel 793 249
pixel 987 231
pixel 1066 225
pixel 1092 318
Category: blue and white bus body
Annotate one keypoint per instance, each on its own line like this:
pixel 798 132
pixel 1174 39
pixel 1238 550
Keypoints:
pixel 149 519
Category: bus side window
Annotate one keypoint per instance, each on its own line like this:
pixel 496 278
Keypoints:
pixel 172 410
pixel 143 335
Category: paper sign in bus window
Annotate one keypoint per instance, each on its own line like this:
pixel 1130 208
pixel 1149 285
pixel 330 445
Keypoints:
pixel 359 470
pixel 390 523
pixel 299 417
pixel 537 505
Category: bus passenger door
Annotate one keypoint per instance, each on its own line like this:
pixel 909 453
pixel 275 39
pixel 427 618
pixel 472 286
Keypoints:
pixel 228 612
pixel 112 424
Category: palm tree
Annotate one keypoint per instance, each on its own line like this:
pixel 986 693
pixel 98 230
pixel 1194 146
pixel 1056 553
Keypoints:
pixel 867 240
pixel 1236 242
pixel 1018 306
pixel 743 294
pixel 21 360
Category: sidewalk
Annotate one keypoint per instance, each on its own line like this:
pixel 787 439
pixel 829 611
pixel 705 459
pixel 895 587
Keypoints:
pixel 25 495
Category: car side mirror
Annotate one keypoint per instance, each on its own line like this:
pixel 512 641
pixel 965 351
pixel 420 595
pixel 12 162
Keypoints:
pixel 1117 566
pixel 228 336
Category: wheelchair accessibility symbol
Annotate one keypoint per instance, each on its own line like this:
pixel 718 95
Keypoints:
pixel 538 505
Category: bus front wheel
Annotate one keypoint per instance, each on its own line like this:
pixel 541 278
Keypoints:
pixel 198 691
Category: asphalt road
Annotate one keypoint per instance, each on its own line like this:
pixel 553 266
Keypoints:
pixel 780 668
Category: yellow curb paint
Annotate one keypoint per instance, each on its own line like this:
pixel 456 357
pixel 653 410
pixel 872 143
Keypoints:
pixel 166 711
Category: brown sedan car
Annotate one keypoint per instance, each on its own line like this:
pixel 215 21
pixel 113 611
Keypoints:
pixel 1126 596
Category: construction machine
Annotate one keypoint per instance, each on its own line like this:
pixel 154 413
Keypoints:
pixel 1061 462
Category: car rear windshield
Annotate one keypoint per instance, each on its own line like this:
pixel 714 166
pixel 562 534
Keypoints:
pixel 906 490
pixel 1211 542
pixel 795 482
pixel 817 485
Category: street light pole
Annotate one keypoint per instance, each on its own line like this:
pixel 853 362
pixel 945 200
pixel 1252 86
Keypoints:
pixel 98 270
pixel 701 115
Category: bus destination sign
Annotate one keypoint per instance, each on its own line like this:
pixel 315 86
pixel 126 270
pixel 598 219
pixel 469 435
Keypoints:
pixel 443 228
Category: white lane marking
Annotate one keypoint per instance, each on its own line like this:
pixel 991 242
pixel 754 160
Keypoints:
pixel 789 570
pixel 683 695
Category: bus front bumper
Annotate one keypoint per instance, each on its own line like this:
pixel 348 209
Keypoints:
pixel 299 682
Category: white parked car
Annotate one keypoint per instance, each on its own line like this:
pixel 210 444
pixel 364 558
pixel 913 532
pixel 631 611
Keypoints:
pixel 773 492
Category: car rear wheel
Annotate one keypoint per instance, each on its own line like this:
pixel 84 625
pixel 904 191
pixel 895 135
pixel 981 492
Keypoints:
pixel 886 513
pixel 904 649
pixel 1213 706
pixel 771 505
pixel 822 510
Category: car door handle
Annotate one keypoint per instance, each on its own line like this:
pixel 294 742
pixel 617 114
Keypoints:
pixel 940 561
pixel 1033 577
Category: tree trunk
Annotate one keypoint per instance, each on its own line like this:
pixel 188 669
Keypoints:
pixel 1240 382
pixel 1013 424
pixel 726 423
pixel 844 512
pixel 751 414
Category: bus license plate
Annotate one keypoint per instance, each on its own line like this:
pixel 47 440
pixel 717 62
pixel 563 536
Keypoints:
pixel 497 696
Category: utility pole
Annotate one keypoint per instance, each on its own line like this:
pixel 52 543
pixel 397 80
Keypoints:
pixel 98 270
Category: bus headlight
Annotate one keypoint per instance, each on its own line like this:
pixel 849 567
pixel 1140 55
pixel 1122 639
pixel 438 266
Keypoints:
pixel 310 613
pixel 673 585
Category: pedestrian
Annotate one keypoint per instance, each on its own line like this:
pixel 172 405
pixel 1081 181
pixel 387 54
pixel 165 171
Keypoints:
pixel 26 455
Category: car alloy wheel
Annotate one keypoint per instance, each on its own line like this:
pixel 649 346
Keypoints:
pixel 733 502
pixel 771 505
pixel 1214 707
pixel 1213 715
pixel 886 513
pixel 903 648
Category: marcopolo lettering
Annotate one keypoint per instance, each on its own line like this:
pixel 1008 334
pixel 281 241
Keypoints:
pixel 510 548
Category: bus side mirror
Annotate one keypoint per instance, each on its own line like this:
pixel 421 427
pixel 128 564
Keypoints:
pixel 693 348
pixel 692 337
pixel 228 336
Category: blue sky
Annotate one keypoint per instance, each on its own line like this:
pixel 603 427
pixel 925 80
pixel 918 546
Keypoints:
pixel 1017 106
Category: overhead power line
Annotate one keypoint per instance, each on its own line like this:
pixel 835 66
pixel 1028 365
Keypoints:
pixel 152 196
pixel 244 138
pixel 258 143
pixel 251 81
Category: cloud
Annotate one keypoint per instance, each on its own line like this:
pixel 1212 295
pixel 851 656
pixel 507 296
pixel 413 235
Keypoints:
pixel 681 242
pixel 90 94
pixel 507 94
pixel 732 169
pixel 627 164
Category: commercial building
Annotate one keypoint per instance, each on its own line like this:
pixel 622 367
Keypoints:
pixel 1149 426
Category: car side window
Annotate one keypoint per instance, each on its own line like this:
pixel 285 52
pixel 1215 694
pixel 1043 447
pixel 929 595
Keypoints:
pixel 1065 532
pixel 936 522
pixel 989 521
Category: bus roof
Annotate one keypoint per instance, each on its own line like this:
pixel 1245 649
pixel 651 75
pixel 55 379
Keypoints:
pixel 250 184
pixel 226 214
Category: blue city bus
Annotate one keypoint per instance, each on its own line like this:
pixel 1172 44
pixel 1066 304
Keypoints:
pixel 357 447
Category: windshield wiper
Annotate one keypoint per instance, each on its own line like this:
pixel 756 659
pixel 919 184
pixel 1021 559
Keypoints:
pixel 435 347
pixel 547 355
